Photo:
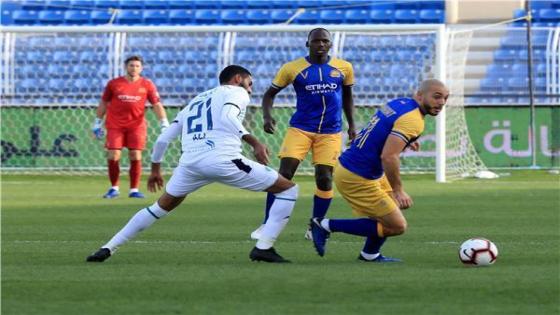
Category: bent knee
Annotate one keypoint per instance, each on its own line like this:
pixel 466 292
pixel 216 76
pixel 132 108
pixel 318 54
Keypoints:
pixel 400 228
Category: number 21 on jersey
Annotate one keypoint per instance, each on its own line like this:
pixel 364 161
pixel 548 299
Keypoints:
pixel 199 118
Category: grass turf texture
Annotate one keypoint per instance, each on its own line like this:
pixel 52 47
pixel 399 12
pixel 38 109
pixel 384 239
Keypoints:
pixel 195 261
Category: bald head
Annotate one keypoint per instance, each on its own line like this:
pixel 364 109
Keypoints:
pixel 427 85
pixel 431 96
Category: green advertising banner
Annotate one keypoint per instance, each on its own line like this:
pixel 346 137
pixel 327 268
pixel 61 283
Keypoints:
pixel 60 138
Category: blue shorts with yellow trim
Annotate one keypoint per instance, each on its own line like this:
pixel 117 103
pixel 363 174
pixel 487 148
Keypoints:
pixel 367 197
pixel 324 147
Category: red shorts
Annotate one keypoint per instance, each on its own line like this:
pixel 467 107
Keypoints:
pixel 131 138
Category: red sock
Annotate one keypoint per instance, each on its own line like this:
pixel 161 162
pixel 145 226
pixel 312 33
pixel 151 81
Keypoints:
pixel 135 172
pixel 114 171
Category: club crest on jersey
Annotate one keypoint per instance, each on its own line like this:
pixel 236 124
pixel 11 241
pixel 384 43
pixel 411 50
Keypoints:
pixel 335 73
pixel 142 90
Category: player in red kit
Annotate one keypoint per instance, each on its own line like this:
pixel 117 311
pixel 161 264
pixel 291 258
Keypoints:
pixel 124 101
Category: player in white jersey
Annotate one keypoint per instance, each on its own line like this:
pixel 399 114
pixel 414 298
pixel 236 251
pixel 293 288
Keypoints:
pixel 211 131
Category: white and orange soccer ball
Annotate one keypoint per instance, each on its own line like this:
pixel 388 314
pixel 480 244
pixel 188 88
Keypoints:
pixel 478 252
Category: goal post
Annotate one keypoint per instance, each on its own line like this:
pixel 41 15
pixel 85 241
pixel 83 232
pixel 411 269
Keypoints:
pixel 53 78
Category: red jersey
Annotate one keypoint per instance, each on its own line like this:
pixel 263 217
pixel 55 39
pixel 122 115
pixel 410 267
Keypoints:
pixel 127 102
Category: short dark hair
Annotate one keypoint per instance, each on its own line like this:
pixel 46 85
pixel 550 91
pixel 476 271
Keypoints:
pixel 232 70
pixel 317 29
pixel 134 58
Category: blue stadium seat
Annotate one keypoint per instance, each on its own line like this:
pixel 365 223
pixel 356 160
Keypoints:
pixel 307 4
pixel 180 4
pixel 100 17
pixel 258 4
pixel 281 16
pixel 57 5
pixel 105 4
pixel 517 83
pixel 25 17
pixel 540 84
pixel 82 4
pixel 492 85
pixel 233 17
pixel 33 5
pixel 283 4
pixel 76 17
pixel 308 17
pixel 258 16
pixel 505 55
pixel 156 4
pixel 541 5
pixel 207 16
pixel 129 17
pixel 537 55
pixel 432 16
pixel 498 70
pixel 356 16
pixel 407 4
pixel 233 4
pixel 155 17
pixel 82 85
pixel 332 16
pixel 406 16
pixel 518 40
pixel 539 69
pixel 382 5
pixel 549 15
pixel 433 5
pixel 6 11
pixel 555 4
pixel 520 69
pixel 131 5
pixel 205 4
pixel 519 13
pixel 161 70
pixel 181 17
pixel 381 16
pixel 47 17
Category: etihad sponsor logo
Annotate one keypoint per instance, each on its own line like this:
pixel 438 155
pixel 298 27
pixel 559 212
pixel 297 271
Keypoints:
pixel 321 86
pixel 129 98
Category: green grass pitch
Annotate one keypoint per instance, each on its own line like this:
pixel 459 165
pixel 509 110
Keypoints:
pixel 195 261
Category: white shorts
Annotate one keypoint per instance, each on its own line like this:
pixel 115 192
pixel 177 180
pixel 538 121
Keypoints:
pixel 239 172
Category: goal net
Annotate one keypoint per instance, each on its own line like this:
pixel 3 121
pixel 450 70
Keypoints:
pixel 52 81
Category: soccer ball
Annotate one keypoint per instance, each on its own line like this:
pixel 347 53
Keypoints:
pixel 478 252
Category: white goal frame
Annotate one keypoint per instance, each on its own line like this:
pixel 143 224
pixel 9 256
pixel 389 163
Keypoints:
pixel 7 34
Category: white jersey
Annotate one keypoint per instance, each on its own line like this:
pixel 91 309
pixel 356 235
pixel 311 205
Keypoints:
pixel 210 126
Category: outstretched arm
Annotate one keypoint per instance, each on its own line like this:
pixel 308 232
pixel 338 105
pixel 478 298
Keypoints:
pixel 155 181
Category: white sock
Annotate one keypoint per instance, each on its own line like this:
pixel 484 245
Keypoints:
pixel 280 212
pixel 140 221
pixel 325 224
pixel 369 256
pixel 134 190
pixel 115 188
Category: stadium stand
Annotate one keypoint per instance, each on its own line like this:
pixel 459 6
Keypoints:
pixel 505 72
pixel 29 12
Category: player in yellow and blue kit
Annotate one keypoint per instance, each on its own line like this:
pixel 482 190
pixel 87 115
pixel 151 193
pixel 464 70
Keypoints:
pixel 368 173
pixel 323 87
